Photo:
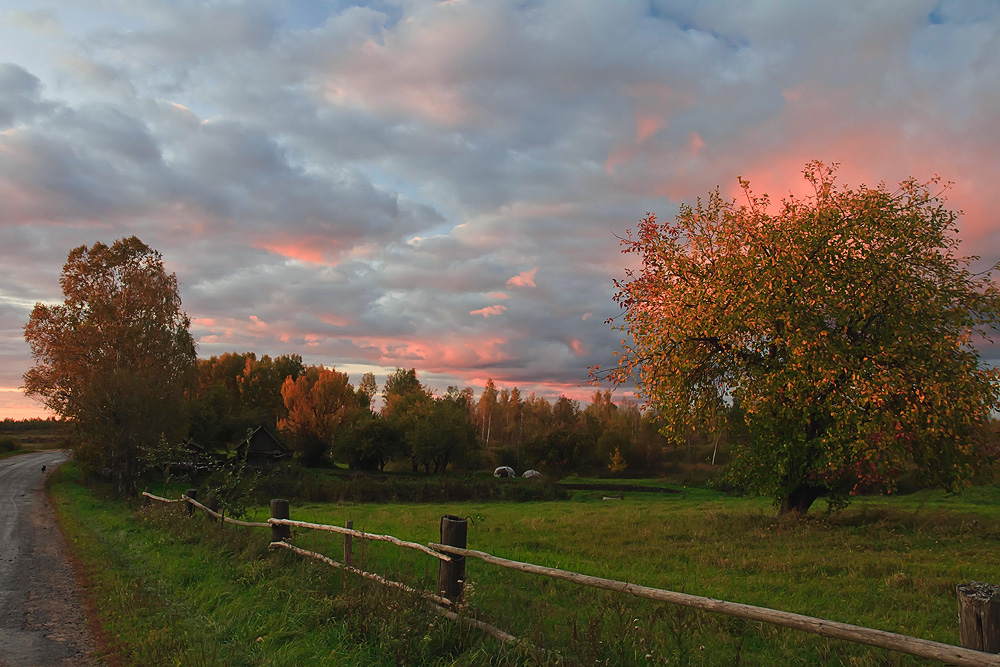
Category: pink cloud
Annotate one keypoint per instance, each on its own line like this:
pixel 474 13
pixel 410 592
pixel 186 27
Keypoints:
pixel 226 335
pixel 451 355
pixel 488 311
pixel 523 279
pixel 307 249
pixel 498 295
pixel 257 324
pixel 695 144
pixel 578 348
pixel 646 125
pixel 336 320
pixel 654 103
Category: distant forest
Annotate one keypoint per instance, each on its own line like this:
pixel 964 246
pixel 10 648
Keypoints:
pixel 326 419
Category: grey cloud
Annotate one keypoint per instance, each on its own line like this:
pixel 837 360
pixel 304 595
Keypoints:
pixel 20 95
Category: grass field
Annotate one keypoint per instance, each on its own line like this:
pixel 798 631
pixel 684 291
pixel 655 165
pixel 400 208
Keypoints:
pixel 15 441
pixel 184 591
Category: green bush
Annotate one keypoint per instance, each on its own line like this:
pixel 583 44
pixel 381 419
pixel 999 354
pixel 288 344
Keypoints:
pixel 9 445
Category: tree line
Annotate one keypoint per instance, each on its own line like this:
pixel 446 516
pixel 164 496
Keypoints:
pixel 326 420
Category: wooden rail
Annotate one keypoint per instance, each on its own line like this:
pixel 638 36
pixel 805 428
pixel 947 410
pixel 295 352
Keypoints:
pixel 922 648
pixel 360 534
pixel 162 499
pixel 217 515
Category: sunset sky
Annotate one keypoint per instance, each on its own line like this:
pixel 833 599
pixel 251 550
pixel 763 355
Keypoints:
pixel 439 185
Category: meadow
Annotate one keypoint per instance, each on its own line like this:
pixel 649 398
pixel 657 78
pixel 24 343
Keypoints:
pixel 17 437
pixel 187 591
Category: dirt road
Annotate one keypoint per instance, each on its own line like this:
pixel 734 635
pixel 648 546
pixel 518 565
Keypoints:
pixel 41 615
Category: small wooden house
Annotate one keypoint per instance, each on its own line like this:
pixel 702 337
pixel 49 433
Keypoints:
pixel 260 448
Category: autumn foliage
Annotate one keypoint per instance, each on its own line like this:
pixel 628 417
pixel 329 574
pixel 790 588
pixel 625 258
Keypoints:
pixel 114 357
pixel 319 403
pixel 842 324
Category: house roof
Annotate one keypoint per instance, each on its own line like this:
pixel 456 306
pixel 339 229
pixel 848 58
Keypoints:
pixel 261 443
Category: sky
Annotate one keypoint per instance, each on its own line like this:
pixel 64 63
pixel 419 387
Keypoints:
pixel 442 185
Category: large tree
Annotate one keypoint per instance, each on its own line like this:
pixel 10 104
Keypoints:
pixel 114 357
pixel 842 323
pixel 320 403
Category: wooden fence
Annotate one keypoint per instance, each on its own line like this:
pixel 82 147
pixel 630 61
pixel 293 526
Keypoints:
pixel 978 603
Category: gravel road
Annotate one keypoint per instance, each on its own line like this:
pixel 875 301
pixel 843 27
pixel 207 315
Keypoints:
pixel 42 621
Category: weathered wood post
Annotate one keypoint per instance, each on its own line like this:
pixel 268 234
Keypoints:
pixel 193 495
pixel 451 575
pixel 348 543
pixel 979 616
pixel 212 503
pixel 279 510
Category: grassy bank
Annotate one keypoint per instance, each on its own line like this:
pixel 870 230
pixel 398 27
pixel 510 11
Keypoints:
pixel 172 591
pixel 891 564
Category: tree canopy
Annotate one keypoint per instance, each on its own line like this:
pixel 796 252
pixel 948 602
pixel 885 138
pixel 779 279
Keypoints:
pixel 114 357
pixel 842 323
pixel 320 402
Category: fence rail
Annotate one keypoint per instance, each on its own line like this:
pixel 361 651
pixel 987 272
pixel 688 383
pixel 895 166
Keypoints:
pixel 451 579
pixel 226 519
pixel 360 534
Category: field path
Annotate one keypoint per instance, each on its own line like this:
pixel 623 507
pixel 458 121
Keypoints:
pixel 42 621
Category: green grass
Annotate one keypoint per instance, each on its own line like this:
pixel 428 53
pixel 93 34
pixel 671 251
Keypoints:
pixel 172 590
pixel 886 563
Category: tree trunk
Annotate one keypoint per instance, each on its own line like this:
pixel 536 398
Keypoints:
pixel 800 499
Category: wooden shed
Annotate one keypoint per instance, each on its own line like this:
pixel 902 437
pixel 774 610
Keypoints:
pixel 261 448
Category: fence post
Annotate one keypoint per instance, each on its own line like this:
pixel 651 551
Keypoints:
pixel 347 543
pixel 451 575
pixel 212 503
pixel 979 616
pixel 279 510
pixel 193 495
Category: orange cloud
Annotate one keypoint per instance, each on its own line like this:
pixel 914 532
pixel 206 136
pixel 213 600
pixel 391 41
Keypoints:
pixel 498 295
pixel 489 310
pixel 523 279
